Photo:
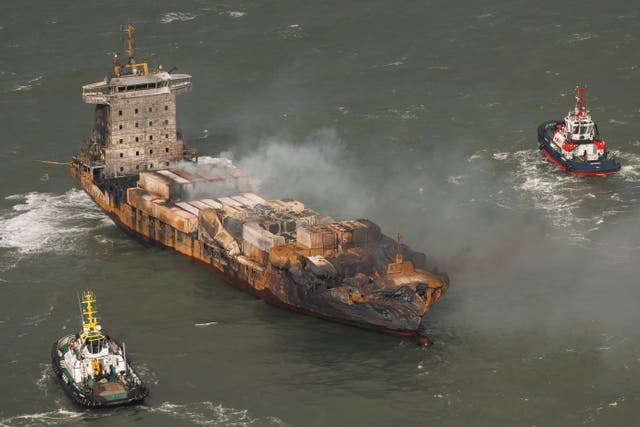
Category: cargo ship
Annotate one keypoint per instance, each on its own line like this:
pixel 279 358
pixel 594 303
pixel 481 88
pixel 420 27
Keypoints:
pixel 136 168
pixel 574 144
pixel 93 367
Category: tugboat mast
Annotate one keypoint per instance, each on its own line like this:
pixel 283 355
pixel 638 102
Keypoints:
pixel 580 108
pixel 90 327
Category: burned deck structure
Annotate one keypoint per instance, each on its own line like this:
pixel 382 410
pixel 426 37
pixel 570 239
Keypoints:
pixel 136 168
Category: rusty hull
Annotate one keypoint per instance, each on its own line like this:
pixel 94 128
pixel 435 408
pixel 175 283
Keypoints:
pixel 379 285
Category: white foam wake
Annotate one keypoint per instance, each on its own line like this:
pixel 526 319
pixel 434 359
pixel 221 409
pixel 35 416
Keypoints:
pixel 29 85
pixel 50 418
pixel 170 17
pixel 565 199
pixel 44 222
pixel 212 414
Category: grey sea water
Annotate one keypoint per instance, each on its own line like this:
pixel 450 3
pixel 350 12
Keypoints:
pixel 419 115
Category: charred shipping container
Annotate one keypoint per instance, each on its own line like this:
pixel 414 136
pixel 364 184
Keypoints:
pixel 206 208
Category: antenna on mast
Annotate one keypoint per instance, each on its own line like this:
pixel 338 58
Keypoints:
pixel 129 29
pixel 580 100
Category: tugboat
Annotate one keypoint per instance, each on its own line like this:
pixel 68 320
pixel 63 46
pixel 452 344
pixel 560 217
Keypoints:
pixel 93 367
pixel 574 144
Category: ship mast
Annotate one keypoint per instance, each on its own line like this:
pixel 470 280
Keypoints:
pixel 129 29
pixel 135 68
pixel 90 327
pixel 580 109
pixel 398 253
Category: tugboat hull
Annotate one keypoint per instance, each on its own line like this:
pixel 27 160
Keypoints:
pixel 577 168
pixel 93 399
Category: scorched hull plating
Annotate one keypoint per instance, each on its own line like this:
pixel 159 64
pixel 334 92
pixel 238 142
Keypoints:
pixel 394 317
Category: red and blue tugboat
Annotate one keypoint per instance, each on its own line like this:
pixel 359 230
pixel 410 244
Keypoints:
pixel 574 144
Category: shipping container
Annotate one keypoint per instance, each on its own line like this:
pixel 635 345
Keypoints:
pixel 187 207
pixel 212 203
pixel 180 180
pixel 175 217
pixel 285 205
pixel 373 232
pixel 344 233
pixel 208 176
pixel 239 212
pixel 255 198
pixel 259 237
pixel 198 204
pixel 243 200
pixel 254 252
pixel 183 213
pixel 161 185
pixel 228 201
pixel 316 236
pixel 139 199
pixel 186 175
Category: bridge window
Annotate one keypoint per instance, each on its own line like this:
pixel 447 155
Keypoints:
pixel 151 165
pixel 137 153
pixel 137 139
pixel 150 151
pixel 136 124
pixel 150 109
pixel 166 122
pixel 150 123
pixel 137 167
pixel 136 111
pixel 166 107
pixel 119 126
pixel 121 154
pixel 120 112
pixel 150 137
pixel 166 150
pixel 121 169
pixel 121 140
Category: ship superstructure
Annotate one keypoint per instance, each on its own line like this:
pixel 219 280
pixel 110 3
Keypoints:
pixel 205 208
pixel 134 126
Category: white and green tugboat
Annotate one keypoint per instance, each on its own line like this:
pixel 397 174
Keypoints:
pixel 92 367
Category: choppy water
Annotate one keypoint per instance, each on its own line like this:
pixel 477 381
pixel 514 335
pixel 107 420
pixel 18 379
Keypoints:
pixel 421 116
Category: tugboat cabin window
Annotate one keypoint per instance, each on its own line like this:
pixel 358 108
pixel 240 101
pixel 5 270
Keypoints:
pixel 95 346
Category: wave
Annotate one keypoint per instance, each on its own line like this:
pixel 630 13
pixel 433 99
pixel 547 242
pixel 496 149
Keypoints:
pixel 170 17
pixel 205 324
pixel 235 13
pixel 45 377
pixel 29 85
pixel 45 222
pixel 571 203
pixel 212 414
pixel 630 170
pixel 50 418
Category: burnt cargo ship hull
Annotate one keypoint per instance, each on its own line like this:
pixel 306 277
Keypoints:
pixel 392 302
pixel 136 167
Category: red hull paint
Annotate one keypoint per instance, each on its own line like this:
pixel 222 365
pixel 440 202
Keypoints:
pixel 564 168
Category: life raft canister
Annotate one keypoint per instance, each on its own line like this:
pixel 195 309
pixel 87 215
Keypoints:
pixel 561 140
pixel 599 145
